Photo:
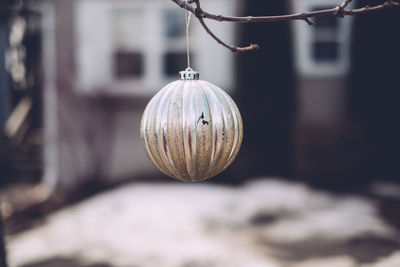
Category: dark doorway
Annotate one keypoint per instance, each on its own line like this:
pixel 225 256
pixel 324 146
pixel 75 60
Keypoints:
pixel 266 95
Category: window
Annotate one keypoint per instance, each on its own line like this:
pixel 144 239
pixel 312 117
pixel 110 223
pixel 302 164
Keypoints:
pixel 174 26
pixel 135 47
pixel 174 58
pixel 321 49
pixel 127 35
pixel 127 27
pixel 325 47
pixel 329 22
pixel 128 64
pixel 325 51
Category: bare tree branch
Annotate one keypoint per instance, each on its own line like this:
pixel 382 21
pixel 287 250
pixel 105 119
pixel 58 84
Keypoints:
pixel 338 11
pixel 230 47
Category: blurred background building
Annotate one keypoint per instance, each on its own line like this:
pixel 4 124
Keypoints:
pixel 111 58
pixel 319 106
pixel 317 101
pixel 98 63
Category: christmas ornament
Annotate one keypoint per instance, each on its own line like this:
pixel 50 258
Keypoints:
pixel 191 129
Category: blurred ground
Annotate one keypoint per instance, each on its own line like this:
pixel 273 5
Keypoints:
pixel 264 223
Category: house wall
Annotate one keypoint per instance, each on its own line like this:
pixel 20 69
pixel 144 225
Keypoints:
pixel 321 100
pixel 96 138
pixel 92 133
pixel 329 149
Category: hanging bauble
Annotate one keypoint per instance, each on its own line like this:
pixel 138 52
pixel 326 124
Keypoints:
pixel 191 129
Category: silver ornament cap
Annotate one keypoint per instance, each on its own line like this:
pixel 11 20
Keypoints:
pixel 189 74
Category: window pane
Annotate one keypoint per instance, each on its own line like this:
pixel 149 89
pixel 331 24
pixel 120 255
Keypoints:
pixel 330 22
pixel 174 63
pixel 128 64
pixel 325 51
pixel 325 21
pixel 127 28
pixel 174 24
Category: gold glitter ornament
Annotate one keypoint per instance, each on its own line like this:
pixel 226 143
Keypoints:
pixel 191 129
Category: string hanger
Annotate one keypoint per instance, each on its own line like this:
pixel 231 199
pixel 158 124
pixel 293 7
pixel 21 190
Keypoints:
pixel 187 20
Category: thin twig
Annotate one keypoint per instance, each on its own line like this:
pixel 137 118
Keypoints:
pixel 338 11
pixel 230 47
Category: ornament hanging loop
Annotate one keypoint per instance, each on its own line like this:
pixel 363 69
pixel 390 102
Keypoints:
pixel 187 20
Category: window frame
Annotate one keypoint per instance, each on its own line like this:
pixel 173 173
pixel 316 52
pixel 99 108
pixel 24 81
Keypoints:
pixel 305 35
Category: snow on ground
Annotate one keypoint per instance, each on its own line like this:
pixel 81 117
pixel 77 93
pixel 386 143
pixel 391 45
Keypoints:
pixel 265 223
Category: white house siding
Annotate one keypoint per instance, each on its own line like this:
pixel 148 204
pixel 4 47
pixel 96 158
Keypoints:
pixel 93 118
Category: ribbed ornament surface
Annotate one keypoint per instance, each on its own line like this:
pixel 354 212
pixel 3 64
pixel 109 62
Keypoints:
pixel 191 130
